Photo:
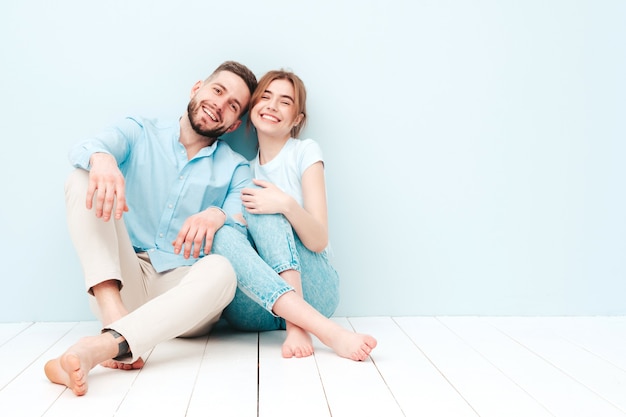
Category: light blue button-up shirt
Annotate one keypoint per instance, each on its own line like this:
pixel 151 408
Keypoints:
pixel 163 188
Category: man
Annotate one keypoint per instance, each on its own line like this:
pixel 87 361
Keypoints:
pixel 156 192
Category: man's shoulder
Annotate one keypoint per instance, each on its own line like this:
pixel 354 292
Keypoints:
pixel 152 122
pixel 226 151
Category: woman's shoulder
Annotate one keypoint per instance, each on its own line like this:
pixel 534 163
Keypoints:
pixel 306 152
pixel 305 145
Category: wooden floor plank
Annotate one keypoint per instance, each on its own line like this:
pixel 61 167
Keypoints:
pixel 459 366
pixel 600 376
pixel 10 330
pixel 20 351
pixel 165 384
pixel 353 388
pixel 560 394
pixel 288 386
pixel 484 387
pixel 16 399
pixel 227 382
pixel 416 384
pixel 604 337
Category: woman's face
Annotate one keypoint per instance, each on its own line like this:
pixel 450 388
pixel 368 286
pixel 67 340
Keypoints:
pixel 275 113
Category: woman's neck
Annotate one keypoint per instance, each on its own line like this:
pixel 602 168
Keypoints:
pixel 269 147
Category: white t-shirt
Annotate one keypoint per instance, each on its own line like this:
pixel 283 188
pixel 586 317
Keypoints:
pixel 286 169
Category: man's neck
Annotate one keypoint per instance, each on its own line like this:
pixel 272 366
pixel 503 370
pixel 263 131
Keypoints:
pixel 192 141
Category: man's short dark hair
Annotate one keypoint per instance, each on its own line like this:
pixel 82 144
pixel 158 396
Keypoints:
pixel 240 70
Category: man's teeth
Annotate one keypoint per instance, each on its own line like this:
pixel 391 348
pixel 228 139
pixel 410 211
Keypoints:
pixel 211 115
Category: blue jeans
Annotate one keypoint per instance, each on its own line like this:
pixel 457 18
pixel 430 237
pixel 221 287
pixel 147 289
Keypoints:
pixel 258 282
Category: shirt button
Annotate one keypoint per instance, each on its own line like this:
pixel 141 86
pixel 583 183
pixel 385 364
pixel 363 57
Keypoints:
pixel 180 178
pixel 160 234
pixel 170 206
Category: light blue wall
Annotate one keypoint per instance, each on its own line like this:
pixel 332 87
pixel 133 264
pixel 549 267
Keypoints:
pixel 475 149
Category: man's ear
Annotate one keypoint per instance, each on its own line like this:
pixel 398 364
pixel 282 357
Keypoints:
pixel 195 88
pixel 234 126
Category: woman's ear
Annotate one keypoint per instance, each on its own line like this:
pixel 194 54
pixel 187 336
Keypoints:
pixel 299 119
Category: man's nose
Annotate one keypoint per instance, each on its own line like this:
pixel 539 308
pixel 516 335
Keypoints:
pixel 220 103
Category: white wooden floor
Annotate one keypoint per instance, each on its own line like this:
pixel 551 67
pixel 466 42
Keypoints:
pixel 423 366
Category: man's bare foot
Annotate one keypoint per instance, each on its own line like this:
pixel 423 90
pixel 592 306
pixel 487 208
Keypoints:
pixel 72 367
pixel 298 343
pixel 113 364
pixel 67 370
pixel 355 346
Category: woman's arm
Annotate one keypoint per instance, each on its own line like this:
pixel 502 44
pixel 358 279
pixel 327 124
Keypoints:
pixel 311 221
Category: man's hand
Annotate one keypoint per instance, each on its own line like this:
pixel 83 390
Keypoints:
pixel 269 199
pixel 107 184
pixel 197 229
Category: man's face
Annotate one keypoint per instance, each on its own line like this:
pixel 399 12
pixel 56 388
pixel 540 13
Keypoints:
pixel 216 105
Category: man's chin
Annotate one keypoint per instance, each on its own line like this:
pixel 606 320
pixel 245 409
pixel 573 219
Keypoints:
pixel 210 133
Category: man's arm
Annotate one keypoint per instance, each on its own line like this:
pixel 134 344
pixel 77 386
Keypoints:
pixel 101 156
pixel 107 186
pixel 197 229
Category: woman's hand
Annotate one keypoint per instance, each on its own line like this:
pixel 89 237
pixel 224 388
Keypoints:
pixel 268 199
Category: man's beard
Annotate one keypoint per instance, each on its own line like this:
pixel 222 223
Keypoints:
pixel 192 108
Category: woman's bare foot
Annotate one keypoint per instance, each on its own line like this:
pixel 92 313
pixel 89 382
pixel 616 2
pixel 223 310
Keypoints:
pixel 72 367
pixel 347 344
pixel 298 343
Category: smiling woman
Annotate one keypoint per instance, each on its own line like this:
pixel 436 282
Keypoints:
pixel 287 219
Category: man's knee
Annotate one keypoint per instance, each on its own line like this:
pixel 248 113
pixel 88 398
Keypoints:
pixel 76 182
pixel 220 270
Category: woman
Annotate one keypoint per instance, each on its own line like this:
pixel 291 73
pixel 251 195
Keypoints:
pixel 287 220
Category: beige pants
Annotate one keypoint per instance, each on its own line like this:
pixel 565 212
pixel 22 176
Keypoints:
pixel 186 301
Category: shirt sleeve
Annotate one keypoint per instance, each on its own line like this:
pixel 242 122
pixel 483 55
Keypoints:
pixel 115 140
pixel 242 177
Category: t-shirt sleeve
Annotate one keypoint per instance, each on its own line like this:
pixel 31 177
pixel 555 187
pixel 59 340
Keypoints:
pixel 309 152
